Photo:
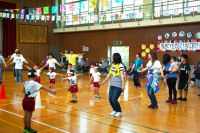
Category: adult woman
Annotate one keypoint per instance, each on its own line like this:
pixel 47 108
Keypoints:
pixel 171 75
pixel 137 65
pixel 117 84
pixel 152 82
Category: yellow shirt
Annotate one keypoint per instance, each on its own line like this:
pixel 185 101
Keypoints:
pixel 72 58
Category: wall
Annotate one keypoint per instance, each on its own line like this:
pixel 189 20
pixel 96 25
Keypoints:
pixel 35 52
pixel 99 40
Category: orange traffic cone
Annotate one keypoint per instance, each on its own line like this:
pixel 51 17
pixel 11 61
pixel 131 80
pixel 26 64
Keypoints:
pixel 2 94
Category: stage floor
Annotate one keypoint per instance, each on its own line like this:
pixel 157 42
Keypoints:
pixel 92 116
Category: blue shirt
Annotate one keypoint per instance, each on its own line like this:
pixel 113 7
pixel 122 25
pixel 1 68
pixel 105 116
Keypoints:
pixel 137 63
pixel 170 75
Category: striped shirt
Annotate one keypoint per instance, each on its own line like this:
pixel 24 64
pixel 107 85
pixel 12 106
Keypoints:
pixel 117 81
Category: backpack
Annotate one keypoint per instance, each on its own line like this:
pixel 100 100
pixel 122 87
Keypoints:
pixel 198 71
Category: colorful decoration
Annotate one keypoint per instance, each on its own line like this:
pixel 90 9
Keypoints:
pixel 22 11
pixel 119 1
pixel 62 8
pixel 54 9
pixel 143 54
pixel 104 2
pixel 31 11
pixel 143 46
pixel 151 46
pixel 93 3
pixel 178 45
pixel 46 10
pixel 71 6
pixel 38 11
pixel 147 50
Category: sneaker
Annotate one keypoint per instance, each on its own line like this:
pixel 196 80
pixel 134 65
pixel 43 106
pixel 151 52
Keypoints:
pixel 26 131
pixel 22 82
pixel 72 101
pixel 17 82
pixel 184 99
pixel 150 106
pixel 173 102
pixel 198 95
pixel 169 100
pixel 32 130
pixel 113 113
pixel 154 107
pixel 118 114
pixel 180 98
pixel 75 101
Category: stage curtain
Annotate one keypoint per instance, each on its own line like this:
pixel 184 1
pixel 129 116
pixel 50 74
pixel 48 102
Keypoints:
pixel 9 31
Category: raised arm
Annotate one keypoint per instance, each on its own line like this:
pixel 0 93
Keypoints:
pixel 48 90
pixel 27 67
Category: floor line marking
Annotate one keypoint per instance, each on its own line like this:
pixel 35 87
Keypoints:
pixel 34 121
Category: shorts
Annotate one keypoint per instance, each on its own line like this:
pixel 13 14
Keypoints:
pixel 96 84
pixel 37 79
pixel 52 81
pixel 198 83
pixel 183 85
pixel 73 89
pixel 90 75
pixel 28 104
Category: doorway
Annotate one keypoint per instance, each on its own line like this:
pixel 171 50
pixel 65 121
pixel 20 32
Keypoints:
pixel 123 50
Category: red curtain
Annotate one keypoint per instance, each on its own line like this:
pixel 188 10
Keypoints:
pixel 9 31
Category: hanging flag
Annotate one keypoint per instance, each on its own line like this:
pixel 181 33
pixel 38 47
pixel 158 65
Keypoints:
pixel 71 6
pixel 22 11
pixel 75 18
pixel 54 9
pixel 116 17
pixel 33 17
pixel 4 15
pixel 62 8
pixel 46 10
pixel 131 16
pixel 58 18
pixel 166 13
pixel 43 17
pixel 104 2
pixel 38 11
pixel 53 18
pixel 47 17
pixel 22 16
pixel 93 3
pixel 119 1
pixel 187 11
pixel 37 17
pixel 27 17
pixel 31 11
pixel 1 14
pixel 63 18
pixel 11 10
pixel 17 16
pixel 7 10
pixel 12 15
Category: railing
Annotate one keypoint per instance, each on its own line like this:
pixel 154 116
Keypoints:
pixel 127 13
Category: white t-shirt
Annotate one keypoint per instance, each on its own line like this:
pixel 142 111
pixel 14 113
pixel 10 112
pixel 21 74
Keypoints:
pixel 91 70
pixel 51 75
pixel 155 68
pixel 174 66
pixel 38 72
pixel 31 88
pixel 52 63
pixel 72 80
pixel 19 62
pixel 15 55
pixel 96 76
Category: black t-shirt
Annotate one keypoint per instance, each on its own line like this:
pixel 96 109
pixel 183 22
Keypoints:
pixel 184 68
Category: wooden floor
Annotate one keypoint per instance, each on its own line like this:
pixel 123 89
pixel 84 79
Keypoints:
pixel 92 116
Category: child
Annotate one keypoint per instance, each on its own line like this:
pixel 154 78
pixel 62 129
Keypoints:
pixel 69 68
pixel 19 60
pixel 174 64
pixel 52 62
pixel 197 77
pixel 31 88
pixel 51 74
pixel 73 87
pixel 96 75
pixel 184 77
pixel 91 71
pixel 38 71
